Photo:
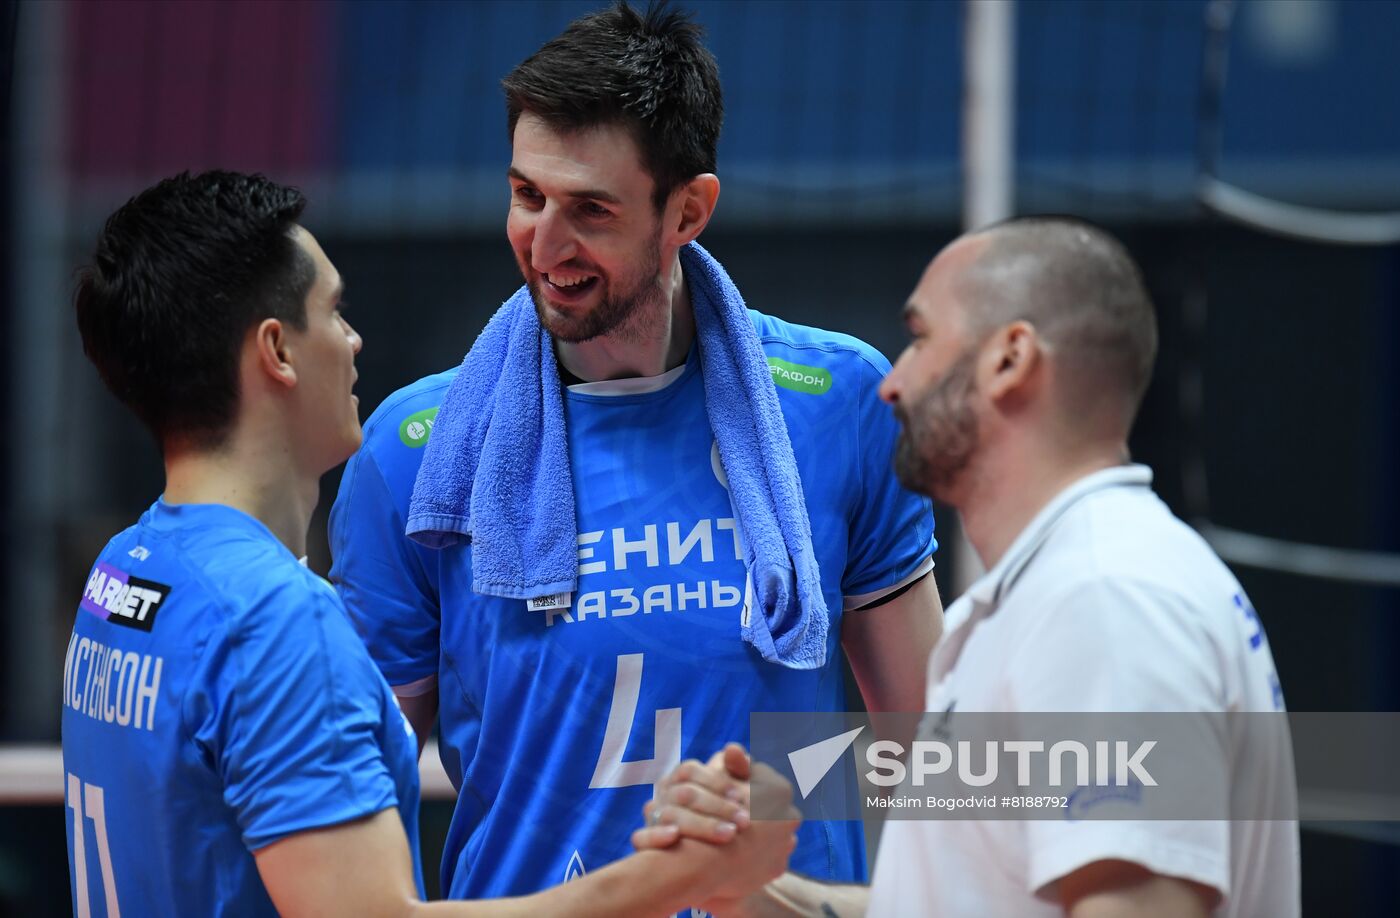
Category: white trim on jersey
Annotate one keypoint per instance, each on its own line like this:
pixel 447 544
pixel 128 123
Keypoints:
pixel 638 385
pixel 849 603
pixel 415 688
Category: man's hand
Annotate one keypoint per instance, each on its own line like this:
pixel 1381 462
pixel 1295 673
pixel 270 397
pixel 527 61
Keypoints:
pixel 710 803
pixel 707 802
pixel 758 854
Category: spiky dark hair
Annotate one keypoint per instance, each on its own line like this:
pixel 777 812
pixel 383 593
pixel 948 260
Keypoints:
pixel 648 71
pixel 181 272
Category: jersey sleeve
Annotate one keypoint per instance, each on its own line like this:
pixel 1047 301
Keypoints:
pixel 298 718
pixel 891 536
pixel 1114 646
pixel 381 577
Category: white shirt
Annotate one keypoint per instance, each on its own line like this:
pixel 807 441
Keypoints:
pixel 1105 602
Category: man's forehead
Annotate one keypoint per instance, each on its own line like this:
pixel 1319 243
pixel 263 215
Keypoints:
pixel 579 153
pixel 327 277
pixel 961 254
pixel 943 273
pixel 940 298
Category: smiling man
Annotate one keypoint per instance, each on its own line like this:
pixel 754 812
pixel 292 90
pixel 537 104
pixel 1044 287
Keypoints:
pixel 559 714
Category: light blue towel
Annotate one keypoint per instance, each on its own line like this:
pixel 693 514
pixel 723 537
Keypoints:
pixel 496 469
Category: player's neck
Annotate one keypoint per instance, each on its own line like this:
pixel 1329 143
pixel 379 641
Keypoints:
pixel 646 345
pixel 248 475
pixel 1013 483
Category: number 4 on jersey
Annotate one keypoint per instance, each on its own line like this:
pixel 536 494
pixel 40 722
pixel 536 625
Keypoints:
pixel 611 770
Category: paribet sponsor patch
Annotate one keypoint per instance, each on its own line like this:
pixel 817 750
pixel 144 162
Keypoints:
pixel 118 597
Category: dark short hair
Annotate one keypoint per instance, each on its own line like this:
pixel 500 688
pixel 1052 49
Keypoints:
pixel 181 272
pixel 1082 291
pixel 648 71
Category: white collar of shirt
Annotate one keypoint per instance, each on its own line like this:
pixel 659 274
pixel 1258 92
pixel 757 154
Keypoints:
pixel 992 586
pixel 987 592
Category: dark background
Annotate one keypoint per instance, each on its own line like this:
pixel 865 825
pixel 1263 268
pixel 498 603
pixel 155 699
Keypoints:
pixel 841 170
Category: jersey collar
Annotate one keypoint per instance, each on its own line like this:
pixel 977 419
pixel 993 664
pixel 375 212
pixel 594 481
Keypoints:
pixel 637 385
pixel 168 516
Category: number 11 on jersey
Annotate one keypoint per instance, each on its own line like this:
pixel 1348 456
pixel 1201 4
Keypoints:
pixel 90 798
pixel 611 770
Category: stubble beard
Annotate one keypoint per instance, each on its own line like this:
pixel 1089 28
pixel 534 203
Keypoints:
pixel 625 312
pixel 939 434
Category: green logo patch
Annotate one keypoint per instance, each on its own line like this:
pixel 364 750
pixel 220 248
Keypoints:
pixel 415 428
pixel 799 378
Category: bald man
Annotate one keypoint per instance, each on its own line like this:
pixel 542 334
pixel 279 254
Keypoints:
pixel 1032 345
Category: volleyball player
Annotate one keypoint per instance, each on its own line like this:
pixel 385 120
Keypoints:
pixel 580 701
pixel 229 748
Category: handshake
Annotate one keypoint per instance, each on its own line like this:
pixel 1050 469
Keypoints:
pixel 701 817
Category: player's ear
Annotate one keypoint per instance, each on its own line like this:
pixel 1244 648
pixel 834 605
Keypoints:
pixel 690 207
pixel 1011 358
pixel 272 352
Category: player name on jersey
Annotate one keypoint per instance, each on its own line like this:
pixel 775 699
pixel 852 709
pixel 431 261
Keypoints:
pixel 111 685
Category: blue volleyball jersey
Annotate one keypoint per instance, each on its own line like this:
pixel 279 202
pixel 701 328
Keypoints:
pixel 215 700
pixel 558 716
